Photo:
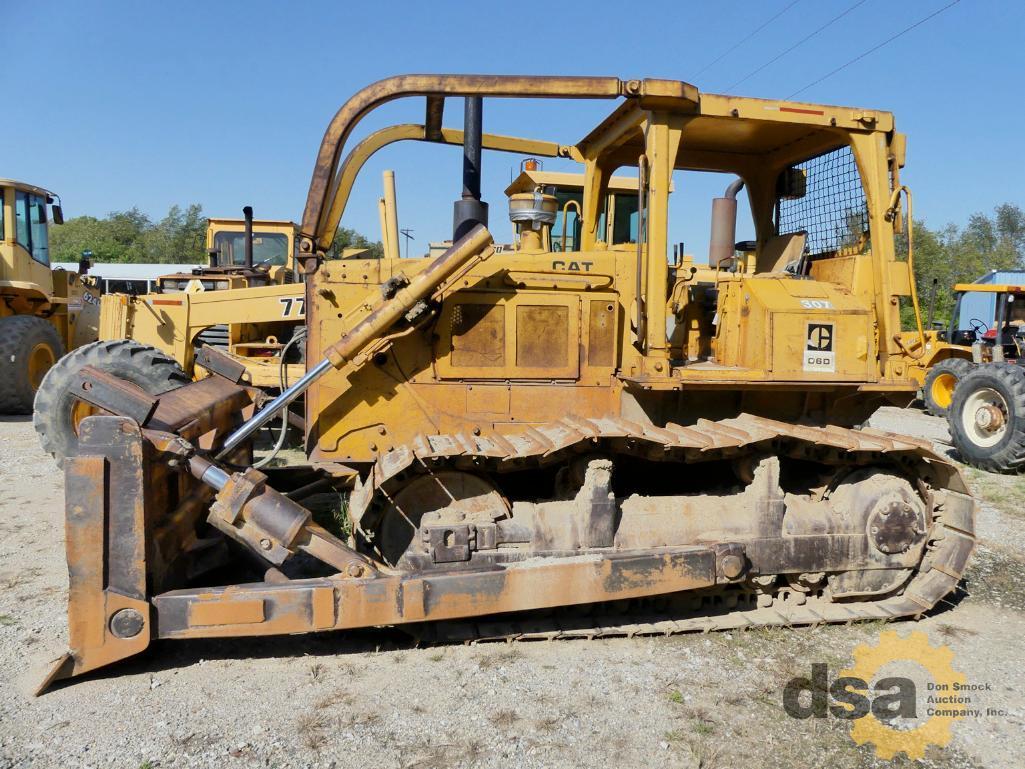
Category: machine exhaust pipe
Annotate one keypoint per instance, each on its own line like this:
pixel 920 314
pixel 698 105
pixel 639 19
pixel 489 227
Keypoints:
pixel 247 212
pixel 722 241
pixel 389 204
pixel 470 210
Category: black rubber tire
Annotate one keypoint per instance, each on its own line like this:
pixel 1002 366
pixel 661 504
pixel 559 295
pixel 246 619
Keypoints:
pixel 940 374
pixel 19 336
pixel 146 367
pixel 1008 454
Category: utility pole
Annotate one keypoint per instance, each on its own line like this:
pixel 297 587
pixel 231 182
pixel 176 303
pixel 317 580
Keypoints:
pixel 408 235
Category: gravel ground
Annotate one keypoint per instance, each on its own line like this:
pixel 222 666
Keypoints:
pixel 371 699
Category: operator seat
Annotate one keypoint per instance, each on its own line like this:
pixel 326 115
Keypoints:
pixel 779 251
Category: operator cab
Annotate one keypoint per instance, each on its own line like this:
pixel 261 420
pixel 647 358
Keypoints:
pixel 989 318
pixel 24 232
pixel 271 260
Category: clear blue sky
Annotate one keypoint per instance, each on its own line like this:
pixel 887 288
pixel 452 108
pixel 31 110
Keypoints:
pixel 122 104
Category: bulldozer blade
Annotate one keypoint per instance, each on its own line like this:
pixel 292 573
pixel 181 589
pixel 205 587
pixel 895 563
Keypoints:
pixel 109 617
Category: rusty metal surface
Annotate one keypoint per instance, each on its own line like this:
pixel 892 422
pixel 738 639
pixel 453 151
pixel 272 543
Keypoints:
pixel 113 395
pixel 216 362
pixel 949 543
pixel 543 583
pixel 108 614
pixel 200 407
pixel 547 582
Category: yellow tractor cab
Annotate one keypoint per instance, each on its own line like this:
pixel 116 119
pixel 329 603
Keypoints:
pixel 987 325
pixel 999 334
pixel 242 253
pixel 979 384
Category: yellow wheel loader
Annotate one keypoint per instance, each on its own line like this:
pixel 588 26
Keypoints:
pixel 664 446
pixel 43 312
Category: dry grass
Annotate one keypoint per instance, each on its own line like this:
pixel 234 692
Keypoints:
pixel 708 756
pixel 549 723
pixel 365 720
pixel 504 718
pixel 330 700
pixel 444 756
pixel 952 632
pixel 491 660
pixel 1004 492
pixel 311 728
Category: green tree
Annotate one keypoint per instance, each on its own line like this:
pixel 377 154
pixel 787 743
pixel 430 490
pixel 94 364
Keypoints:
pixel 179 237
pixel 118 238
pixel 348 238
pixel 961 255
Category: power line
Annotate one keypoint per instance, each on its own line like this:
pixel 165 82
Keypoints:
pixel 875 48
pixel 737 45
pixel 799 43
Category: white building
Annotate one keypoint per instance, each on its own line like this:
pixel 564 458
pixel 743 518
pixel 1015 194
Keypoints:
pixel 118 277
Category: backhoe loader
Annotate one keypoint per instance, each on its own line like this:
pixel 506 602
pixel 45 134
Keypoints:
pixel 663 445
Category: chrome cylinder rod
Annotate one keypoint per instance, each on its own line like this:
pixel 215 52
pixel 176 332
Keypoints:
pixel 267 413
pixel 209 473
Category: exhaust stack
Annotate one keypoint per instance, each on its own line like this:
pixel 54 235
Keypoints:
pixel 721 242
pixel 247 212
pixel 389 208
pixel 470 210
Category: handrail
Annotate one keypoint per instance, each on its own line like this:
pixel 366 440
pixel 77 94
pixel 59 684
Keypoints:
pixel 642 184
pixel 565 222
pixel 891 213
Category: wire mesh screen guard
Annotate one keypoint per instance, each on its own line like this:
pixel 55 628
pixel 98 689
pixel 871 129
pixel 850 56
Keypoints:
pixel 832 212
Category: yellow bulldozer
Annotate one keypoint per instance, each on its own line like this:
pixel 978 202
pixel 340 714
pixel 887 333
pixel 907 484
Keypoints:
pixel 44 312
pixel 664 446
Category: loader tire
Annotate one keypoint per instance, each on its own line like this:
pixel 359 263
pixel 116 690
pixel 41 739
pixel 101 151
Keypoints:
pixel 29 347
pixel 58 412
pixel 938 389
pixel 987 418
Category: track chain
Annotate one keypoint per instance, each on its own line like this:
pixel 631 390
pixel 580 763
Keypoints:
pixel 950 542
